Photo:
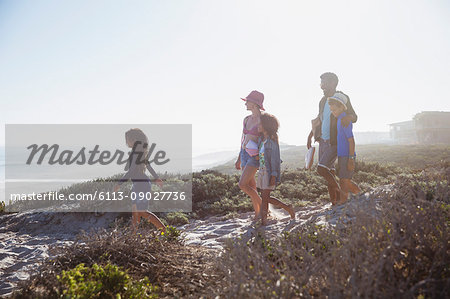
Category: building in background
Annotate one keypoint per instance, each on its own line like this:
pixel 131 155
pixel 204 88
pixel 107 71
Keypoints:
pixel 433 127
pixel 427 127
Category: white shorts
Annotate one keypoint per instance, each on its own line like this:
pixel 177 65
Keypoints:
pixel 263 180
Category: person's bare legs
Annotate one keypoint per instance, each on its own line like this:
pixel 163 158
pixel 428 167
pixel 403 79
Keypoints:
pixel 288 208
pixel 266 199
pixel 247 183
pixel 333 186
pixel 353 188
pixel 265 206
pixel 136 219
pixel 344 190
pixel 153 219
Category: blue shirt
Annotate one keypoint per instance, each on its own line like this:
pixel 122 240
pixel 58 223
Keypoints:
pixel 326 122
pixel 342 137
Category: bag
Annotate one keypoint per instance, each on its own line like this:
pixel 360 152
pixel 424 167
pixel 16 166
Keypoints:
pixel 316 125
pixel 309 157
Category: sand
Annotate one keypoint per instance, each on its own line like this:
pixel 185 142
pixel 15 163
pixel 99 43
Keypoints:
pixel 214 231
pixel 25 239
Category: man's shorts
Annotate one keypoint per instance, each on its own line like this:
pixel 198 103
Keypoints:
pixel 327 154
pixel 246 159
pixel 263 180
pixel 343 172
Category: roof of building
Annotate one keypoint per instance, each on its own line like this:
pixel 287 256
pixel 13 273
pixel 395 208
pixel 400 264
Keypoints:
pixel 403 123
pixel 431 113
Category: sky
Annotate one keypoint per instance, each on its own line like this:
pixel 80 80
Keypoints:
pixel 190 62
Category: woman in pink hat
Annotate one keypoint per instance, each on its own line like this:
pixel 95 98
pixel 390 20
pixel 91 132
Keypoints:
pixel 247 160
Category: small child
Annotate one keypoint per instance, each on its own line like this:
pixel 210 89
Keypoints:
pixel 137 164
pixel 269 165
pixel 345 147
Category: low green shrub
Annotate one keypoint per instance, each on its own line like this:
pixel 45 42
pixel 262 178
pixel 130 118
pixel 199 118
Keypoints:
pixel 177 218
pixel 107 281
pixel 172 234
pixel 162 258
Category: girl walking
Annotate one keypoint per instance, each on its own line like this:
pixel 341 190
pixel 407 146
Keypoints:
pixel 137 164
pixel 269 165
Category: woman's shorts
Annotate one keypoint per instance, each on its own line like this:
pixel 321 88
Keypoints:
pixel 263 180
pixel 246 159
pixel 141 190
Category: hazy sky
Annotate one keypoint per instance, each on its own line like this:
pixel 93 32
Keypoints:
pixel 191 61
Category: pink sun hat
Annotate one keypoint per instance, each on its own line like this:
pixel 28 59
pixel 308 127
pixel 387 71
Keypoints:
pixel 255 97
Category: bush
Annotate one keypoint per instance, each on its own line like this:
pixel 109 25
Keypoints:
pixel 100 282
pixel 164 259
pixel 215 193
pixel 397 246
pixel 177 218
pixel 172 234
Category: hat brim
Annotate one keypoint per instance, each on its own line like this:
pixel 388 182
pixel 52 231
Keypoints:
pixel 260 107
pixel 337 100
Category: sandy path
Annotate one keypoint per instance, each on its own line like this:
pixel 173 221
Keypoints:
pixel 25 239
pixel 212 232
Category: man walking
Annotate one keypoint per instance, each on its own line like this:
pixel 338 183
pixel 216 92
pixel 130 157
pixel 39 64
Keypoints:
pixel 325 132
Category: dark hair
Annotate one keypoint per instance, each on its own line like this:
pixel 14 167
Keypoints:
pixel 140 144
pixel 330 77
pixel 270 124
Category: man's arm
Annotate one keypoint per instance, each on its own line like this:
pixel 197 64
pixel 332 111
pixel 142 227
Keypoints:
pixel 351 115
pixel 351 154
pixel 351 112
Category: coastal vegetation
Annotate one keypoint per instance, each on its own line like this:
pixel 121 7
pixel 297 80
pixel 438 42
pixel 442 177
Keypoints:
pixel 397 245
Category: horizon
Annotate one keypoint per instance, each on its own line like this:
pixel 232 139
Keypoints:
pixel 191 62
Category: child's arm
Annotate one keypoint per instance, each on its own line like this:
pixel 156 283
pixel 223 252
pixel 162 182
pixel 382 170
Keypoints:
pixel 152 171
pixel 125 177
pixel 351 154
pixel 154 174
